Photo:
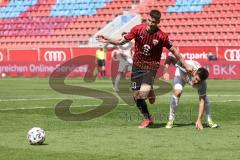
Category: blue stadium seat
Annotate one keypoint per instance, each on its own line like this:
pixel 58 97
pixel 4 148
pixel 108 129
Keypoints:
pixel 77 7
pixel 188 6
pixel 125 19
pixel 15 8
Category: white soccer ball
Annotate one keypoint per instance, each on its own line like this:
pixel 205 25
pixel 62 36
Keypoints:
pixel 3 75
pixel 36 135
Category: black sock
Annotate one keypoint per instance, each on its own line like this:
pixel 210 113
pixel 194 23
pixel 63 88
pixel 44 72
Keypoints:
pixel 142 106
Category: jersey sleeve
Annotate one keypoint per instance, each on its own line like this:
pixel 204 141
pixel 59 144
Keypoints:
pixel 202 88
pixel 166 42
pixel 132 34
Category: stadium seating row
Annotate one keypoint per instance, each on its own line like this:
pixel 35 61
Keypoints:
pixel 210 23
pixel 34 23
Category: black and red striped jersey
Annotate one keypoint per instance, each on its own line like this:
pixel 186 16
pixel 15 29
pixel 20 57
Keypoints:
pixel 148 46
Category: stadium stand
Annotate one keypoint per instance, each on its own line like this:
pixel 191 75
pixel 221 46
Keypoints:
pixel 70 23
pixel 199 22
pixel 48 23
pixel 3 3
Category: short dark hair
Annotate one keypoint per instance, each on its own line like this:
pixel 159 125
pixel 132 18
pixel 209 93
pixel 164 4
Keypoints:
pixel 123 33
pixel 156 14
pixel 202 73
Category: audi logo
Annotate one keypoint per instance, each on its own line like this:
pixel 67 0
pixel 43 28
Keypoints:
pixel 1 56
pixel 232 54
pixel 53 56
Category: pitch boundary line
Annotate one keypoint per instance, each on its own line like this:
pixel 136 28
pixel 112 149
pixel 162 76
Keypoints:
pixel 88 105
pixel 94 105
pixel 61 98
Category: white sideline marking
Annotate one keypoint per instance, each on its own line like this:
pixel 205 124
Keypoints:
pixel 94 105
pixel 32 99
pixel 226 101
pixel 60 98
pixel 89 105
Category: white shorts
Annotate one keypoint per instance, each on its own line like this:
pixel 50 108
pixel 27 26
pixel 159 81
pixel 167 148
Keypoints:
pixel 178 82
pixel 124 65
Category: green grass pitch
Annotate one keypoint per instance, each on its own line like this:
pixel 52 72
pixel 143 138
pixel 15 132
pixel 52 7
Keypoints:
pixel 27 103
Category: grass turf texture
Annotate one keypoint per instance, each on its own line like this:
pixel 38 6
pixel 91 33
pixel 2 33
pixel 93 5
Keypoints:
pixel 27 103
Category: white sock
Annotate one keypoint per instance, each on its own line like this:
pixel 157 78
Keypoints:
pixel 208 109
pixel 173 106
pixel 117 80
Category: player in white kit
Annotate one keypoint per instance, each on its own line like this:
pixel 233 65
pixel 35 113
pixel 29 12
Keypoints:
pixel 197 80
pixel 125 61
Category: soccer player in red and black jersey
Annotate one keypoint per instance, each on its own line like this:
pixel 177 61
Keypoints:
pixel 149 42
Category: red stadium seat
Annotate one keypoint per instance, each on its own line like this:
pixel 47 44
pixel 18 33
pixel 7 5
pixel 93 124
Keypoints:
pixel 218 22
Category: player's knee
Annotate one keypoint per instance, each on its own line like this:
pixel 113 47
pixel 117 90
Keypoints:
pixel 136 95
pixel 143 94
pixel 144 91
pixel 178 90
pixel 177 93
pixel 139 95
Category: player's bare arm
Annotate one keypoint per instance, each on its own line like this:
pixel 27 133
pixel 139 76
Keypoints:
pixel 200 112
pixel 105 39
pixel 169 60
pixel 165 72
pixel 179 57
